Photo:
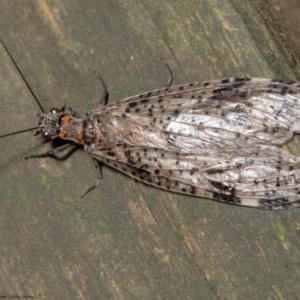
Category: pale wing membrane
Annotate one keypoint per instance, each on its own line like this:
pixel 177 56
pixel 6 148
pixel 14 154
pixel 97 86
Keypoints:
pixel 220 140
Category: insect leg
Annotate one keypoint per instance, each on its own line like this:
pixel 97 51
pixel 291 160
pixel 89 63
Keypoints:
pixel 98 166
pixel 105 94
pixel 55 151
pixel 170 73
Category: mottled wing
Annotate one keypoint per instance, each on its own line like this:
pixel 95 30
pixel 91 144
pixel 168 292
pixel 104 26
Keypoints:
pixel 221 140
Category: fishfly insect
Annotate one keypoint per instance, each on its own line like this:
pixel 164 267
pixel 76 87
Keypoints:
pixel 223 140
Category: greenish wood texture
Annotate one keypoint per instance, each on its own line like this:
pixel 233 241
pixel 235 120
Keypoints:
pixel 126 240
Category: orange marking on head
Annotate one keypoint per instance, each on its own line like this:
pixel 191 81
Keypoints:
pixel 66 118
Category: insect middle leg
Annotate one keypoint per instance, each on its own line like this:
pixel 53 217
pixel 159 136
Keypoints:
pixel 98 166
pixel 105 94
pixel 170 73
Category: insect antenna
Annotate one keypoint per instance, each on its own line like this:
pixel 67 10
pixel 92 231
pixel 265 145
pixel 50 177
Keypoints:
pixel 22 76
pixel 19 131
pixel 30 89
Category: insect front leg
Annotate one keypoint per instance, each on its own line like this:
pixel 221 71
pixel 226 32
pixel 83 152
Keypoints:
pixel 54 152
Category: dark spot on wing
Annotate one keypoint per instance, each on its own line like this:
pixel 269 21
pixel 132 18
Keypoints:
pixel 278 203
pixel 226 198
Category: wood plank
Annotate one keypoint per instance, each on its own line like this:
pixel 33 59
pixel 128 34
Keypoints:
pixel 126 240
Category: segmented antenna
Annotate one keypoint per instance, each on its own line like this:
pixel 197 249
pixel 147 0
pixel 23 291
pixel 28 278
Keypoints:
pixel 22 76
pixel 19 131
pixel 28 86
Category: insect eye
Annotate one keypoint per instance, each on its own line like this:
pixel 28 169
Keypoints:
pixel 54 110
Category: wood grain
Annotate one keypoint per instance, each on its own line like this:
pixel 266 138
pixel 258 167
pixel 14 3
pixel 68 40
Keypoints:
pixel 126 240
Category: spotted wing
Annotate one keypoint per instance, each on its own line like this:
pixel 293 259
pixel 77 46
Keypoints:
pixel 222 140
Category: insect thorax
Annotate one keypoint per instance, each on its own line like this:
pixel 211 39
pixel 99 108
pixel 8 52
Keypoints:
pixel 89 131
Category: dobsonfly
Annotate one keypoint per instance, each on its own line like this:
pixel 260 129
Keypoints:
pixel 222 140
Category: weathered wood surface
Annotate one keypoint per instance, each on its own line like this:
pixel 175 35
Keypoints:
pixel 126 240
